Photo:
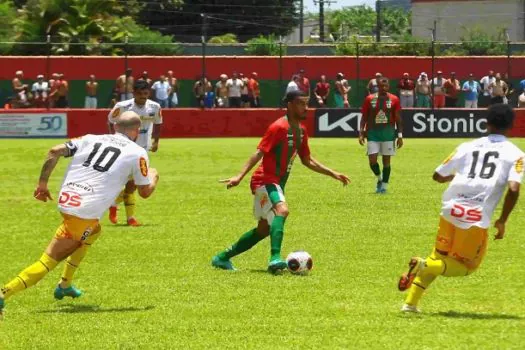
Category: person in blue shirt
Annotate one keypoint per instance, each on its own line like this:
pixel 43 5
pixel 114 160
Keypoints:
pixel 472 90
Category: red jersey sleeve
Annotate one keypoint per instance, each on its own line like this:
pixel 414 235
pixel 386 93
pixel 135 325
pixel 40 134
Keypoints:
pixel 366 107
pixel 270 138
pixel 305 147
pixel 397 104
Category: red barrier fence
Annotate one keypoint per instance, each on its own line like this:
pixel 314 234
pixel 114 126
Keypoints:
pixel 190 67
pixel 184 122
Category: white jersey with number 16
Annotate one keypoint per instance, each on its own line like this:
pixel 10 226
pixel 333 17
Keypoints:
pixel 482 169
pixel 101 166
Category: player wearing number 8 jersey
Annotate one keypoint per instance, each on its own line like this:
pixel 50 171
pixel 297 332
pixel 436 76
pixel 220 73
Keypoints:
pixel 100 166
pixel 285 139
pixel 479 172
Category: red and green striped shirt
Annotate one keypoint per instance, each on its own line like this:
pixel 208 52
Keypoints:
pixel 280 144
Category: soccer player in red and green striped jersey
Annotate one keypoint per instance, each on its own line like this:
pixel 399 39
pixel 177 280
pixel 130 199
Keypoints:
pixel 283 141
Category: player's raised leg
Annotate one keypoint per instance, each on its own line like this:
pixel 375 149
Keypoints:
pixel 245 242
pixel 56 251
pixel 65 288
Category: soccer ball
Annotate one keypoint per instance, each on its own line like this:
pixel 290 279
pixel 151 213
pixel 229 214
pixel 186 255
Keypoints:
pixel 299 262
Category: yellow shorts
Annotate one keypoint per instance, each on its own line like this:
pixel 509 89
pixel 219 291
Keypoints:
pixel 76 228
pixel 468 246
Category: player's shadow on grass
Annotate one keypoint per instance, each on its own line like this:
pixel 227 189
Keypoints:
pixel 475 316
pixel 88 308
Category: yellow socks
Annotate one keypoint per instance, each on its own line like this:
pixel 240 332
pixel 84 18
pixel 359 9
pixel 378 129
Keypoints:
pixel 436 265
pixel 417 289
pixel 129 203
pixel 74 260
pixel 119 199
pixel 30 276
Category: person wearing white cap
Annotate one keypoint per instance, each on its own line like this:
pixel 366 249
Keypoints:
pixel 423 91
pixel 221 92
pixel 40 90
pixel 439 90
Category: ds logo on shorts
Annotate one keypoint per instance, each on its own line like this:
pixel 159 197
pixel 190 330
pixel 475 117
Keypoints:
pixel 86 234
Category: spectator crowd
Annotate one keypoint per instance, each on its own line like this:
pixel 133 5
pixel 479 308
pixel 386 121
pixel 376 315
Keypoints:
pixel 243 91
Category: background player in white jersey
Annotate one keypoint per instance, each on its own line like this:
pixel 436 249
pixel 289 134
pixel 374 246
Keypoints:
pixel 151 121
pixel 479 172
pixel 101 165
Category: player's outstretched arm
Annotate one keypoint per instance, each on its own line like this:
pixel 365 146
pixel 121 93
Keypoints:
pixel 442 179
pixel 314 165
pixel 42 192
pixel 147 190
pixel 252 161
pixel 511 198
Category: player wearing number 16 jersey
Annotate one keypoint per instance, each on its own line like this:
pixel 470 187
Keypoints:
pixel 100 167
pixel 479 173
pixel 285 139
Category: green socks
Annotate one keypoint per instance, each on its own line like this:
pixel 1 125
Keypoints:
pixel 376 170
pixel 247 240
pixel 386 174
pixel 276 236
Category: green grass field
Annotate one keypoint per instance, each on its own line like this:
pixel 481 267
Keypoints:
pixel 153 287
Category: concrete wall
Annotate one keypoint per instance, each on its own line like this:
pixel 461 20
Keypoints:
pixel 453 15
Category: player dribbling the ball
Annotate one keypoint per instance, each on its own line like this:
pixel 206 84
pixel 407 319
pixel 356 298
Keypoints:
pixel 283 141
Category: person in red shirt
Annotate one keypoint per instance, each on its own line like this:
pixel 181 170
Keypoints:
pixel 322 90
pixel 452 90
pixel 283 141
pixel 304 83
pixel 254 92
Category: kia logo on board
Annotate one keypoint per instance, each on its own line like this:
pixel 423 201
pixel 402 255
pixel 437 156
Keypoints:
pixel 416 123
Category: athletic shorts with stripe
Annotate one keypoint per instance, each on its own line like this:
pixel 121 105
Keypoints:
pixel 468 246
pixel 75 228
pixel 265 198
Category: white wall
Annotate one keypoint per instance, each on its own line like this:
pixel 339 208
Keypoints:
pixel 452 16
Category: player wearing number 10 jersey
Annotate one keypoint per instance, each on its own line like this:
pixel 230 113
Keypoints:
pixel 283 141
pixel 100 167
pixel 479 172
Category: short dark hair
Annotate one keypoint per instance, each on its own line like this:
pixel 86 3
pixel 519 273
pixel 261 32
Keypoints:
pixel 500 117
pixel 293 95
pixel 140 85
pixel 383 80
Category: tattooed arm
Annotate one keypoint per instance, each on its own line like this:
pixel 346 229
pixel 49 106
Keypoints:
pixel 42 193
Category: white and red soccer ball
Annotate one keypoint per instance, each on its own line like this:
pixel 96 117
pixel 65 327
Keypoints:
pixel 299 262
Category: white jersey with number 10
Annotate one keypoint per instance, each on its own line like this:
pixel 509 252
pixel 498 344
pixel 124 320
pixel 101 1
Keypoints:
pixel 101 166
pixel 482 169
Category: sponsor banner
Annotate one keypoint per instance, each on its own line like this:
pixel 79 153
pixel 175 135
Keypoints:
pixel 416 122
pixel 33 125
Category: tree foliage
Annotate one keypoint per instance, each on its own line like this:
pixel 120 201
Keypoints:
pixel 7 33
pixel 85 27
pixel 228 38
pixel 362 20
pixel 245 18
pixel 265 46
